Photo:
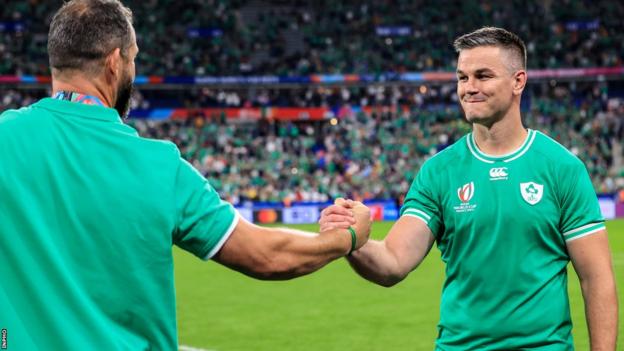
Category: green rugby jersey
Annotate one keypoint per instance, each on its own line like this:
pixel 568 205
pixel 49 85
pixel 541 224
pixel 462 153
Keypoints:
pixel 89 212
pixel 501 225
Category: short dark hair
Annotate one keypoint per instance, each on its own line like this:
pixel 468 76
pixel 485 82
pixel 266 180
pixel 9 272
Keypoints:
pixel 493 36
pixel 84 32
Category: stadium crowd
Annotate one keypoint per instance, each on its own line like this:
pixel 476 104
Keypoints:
pixel 376 154
pixel 364 154
pixel 235 37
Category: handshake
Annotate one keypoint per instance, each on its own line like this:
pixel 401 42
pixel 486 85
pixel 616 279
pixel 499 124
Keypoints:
pixel 345 214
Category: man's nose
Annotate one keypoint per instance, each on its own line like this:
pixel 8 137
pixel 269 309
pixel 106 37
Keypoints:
pixel 471 86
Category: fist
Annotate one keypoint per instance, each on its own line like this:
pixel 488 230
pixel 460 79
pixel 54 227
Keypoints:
pixel 340 215
pixel 344 214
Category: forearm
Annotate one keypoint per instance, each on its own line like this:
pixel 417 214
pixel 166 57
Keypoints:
pixel 389 261
pixel 374 262
pixel 296 253
pixel 280 253
pixel 601 312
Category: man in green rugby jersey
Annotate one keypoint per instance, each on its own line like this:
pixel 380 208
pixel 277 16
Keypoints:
pixel 508 208
pixel 89 210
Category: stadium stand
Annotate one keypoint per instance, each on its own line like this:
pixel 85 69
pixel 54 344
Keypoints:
pixel 374 137
pixel 234 37
pixel 375 153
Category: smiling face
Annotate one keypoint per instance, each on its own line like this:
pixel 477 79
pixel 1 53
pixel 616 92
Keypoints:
pixel 487 84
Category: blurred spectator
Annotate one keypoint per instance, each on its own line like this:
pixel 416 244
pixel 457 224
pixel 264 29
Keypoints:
pixel 235 37
pixel 376 155
pixel 366 155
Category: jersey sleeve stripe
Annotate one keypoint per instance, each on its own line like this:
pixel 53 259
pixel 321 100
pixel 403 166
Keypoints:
pixel 416 216
pixel 583 228
pixel 594 231
pixel 224 238
pixel 414 211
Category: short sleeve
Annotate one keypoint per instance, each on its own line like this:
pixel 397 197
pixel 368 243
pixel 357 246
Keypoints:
pixel 203 220
pixel 580 212
pixel 420 201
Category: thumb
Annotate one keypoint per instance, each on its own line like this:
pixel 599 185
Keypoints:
pixel 354 203
pixel 340 202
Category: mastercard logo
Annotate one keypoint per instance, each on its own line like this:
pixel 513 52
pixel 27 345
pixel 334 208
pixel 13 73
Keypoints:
pixel 267 216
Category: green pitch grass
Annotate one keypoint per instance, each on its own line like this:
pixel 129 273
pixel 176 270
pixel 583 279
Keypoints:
pixel 332 309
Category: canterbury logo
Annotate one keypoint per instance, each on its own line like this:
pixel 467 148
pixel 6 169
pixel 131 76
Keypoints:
pixel 466 192
pixel 498 172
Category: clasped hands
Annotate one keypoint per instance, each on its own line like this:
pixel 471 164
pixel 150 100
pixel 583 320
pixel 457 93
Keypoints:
pixel 347 213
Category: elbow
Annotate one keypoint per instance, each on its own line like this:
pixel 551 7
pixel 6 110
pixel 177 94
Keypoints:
pixel 390 281
pixel 385 275
pixel 387 279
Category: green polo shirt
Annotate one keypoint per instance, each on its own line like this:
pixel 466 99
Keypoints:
pixel 89 212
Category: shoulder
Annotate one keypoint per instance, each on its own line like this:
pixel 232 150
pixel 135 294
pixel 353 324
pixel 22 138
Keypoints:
pixel 159 145
pixel 10 116
pixel 19 121
pixel 555 153
pixel 157 153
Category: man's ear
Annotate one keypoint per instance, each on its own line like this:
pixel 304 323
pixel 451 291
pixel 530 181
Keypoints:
pixel 520 80
pixel 113 65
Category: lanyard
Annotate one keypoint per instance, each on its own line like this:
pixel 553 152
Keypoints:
pixel 77 97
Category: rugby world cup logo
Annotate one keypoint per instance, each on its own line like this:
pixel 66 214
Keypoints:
pixel 465 192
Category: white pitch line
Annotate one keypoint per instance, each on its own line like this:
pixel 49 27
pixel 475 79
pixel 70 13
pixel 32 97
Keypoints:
pixel 191 348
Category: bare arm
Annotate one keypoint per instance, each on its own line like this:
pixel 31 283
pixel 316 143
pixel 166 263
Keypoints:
pixel 591 258
pixel 389 261
pixel 280 253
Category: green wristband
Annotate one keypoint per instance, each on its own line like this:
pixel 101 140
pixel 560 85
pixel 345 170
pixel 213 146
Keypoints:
pixel 353 240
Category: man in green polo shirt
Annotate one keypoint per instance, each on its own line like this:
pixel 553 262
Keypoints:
pixel 508 208
pixel 89 210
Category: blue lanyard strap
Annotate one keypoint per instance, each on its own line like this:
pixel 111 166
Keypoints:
pixel 77 97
